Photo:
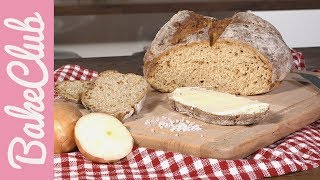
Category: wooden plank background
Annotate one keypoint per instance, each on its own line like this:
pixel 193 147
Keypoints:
pixel 98 7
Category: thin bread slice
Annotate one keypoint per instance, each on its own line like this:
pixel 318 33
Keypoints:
pixel 215 107
pixel 72 90
pixel 116 94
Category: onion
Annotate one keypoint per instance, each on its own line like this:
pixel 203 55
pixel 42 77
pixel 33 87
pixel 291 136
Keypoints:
pixel 102 138
pixel 65 117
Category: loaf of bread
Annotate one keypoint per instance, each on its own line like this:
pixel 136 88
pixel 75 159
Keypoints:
pixel 72 90
pixel 243 54
pixel 215 107
pixel 116 94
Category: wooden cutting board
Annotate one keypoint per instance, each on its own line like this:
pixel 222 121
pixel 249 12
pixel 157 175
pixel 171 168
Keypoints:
pixel 293 105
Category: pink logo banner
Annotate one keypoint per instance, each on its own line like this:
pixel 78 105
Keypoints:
pixel 26 78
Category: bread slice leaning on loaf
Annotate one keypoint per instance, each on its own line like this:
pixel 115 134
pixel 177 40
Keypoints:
pixel 215 107
pixel 116 94
pixel 243 54
pixel 72 90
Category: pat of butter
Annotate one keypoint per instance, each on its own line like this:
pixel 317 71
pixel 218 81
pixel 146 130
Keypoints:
pixel 217 102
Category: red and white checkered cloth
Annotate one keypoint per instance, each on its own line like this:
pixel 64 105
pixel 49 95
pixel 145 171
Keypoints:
pixel 297 152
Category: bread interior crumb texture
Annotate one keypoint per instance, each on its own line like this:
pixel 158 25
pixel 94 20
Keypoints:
pixel 72 90
pixel 114 92
pixel 229 67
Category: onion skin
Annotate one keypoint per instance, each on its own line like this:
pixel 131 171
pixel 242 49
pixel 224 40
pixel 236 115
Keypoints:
pixel 65 119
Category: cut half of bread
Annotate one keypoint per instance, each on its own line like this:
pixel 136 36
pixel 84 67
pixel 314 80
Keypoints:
pixel 216 107
pixel 116 94
pixel 72 90
pixel 243 54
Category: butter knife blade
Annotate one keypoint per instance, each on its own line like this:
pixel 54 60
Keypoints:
pixel 313 79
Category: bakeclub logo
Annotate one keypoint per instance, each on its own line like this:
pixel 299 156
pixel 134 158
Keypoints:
pixel 26 76
pixel 26 103
pixel 33 94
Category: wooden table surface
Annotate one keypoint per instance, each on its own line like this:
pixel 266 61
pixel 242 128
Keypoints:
pixel 134 64
pixel 97 7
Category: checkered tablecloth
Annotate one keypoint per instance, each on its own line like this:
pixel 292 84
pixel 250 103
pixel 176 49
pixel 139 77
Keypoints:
pixel 297 152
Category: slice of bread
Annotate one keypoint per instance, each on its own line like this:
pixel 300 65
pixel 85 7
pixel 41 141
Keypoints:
pixel 215 107
pixel 243 54
pixel 72 90
pixel 116 94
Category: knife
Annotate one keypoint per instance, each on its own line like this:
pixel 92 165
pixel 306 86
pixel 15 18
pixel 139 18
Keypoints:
pixel 313 78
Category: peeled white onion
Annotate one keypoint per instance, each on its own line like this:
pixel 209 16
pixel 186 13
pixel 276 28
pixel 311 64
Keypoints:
pixel 102 138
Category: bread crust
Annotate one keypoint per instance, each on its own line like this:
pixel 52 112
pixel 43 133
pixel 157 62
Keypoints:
pixel 244 28
pixel 261 35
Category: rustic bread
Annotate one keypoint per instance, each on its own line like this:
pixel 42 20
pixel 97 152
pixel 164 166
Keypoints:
pixel 216 107
pixel 72 90
pixel 243 54
pixel 116 94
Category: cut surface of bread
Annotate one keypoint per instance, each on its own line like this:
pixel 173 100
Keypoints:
pixel 243 54
pixel 72 90
pixel 216 107
pixel 102 138
pixel 116 94
pixel 233 68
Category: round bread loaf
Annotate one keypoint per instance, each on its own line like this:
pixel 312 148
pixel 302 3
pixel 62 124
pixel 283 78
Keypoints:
pixel 243 54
